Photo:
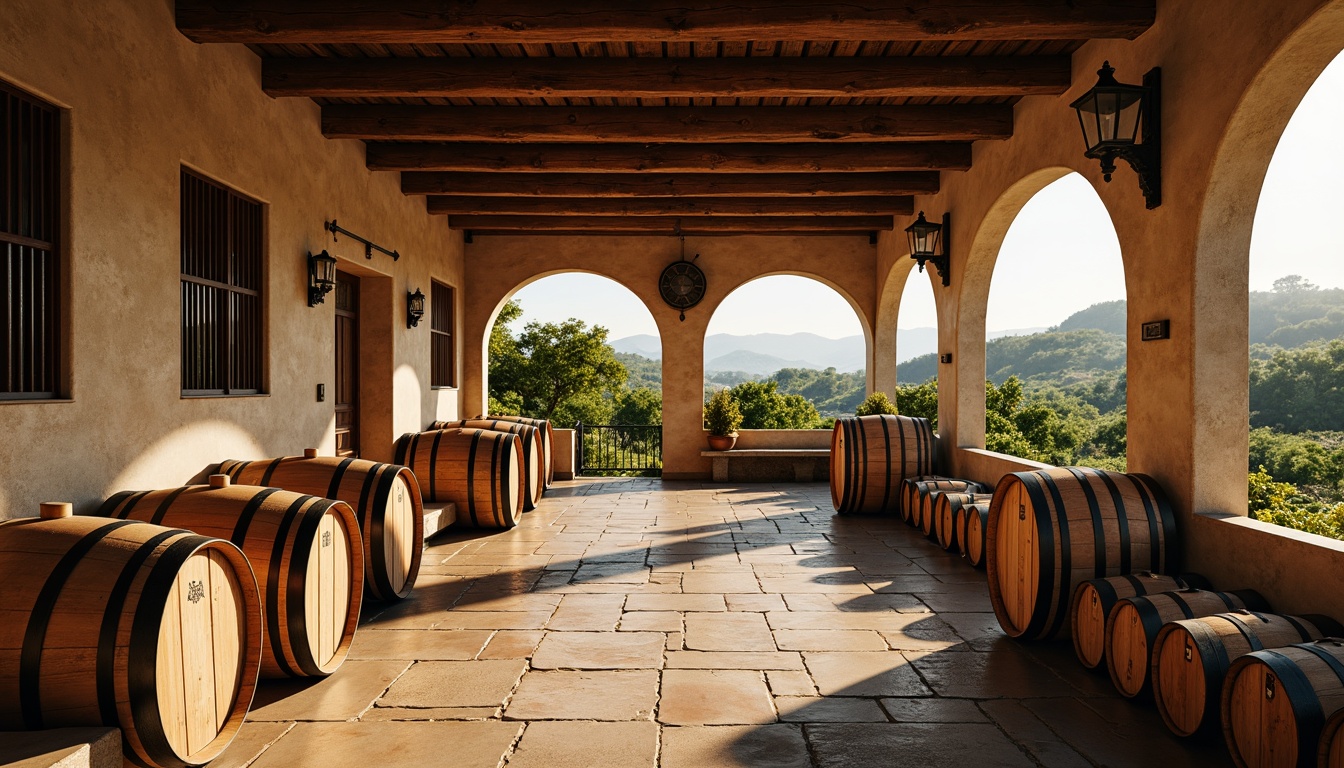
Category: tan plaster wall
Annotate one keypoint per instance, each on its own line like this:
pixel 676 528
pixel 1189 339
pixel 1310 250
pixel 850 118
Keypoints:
pixel 143 101
pixel 496 267
pixel 1232 75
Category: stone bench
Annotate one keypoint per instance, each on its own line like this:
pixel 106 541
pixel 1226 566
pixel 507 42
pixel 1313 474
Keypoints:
pixel 803 461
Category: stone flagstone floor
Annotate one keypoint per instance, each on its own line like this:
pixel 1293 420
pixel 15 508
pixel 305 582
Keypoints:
pixel 635 622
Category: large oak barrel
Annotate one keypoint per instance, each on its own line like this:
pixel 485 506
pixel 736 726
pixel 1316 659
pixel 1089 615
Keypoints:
pixel 947 511
pixel 1275 703
pixel 1191 657
pixel 533 452
pixel 1133 624
pixel 478 470
pixel 156 631
pixel 1092 603
pixel 385 498
pixel 305 550
pixel 1052 529
pixel 1331 752
pixel 975 522
pixel 547 440
pixel 871 455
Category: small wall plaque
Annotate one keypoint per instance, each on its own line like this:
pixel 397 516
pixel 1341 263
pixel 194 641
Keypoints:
pixel 1157 329
pixel 946 357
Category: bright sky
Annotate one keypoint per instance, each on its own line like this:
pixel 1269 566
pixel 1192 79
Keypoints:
pixel 1059 256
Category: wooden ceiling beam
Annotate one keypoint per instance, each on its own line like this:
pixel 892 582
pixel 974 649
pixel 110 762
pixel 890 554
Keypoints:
pixel 545 21
pixel 691 206
pixel 670 185
pixel 669 124
pixel 673 224
pixel 658 78
pixel 669 158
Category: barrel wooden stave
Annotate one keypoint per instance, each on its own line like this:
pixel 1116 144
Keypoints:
pixel 974 529
pixel 1191 658
pixel 871 455
pixel 533 451
pixel 1113 524
pixel 478 470
pixel 547 440
pixel 1283 729
pixel 1092 603
pixel 386 500
pixel 306 552
pixel 112 613
pixel 1134 622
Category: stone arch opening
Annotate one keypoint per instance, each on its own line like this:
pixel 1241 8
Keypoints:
pixel 800 331
pixel 1242 157
pixel 596 300
pixel 1044 303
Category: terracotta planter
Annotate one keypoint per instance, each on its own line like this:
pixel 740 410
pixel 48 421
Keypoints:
pixel 722 442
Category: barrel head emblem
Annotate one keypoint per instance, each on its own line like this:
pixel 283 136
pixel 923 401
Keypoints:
pixel 326 538
pixel 195 591
pixel 1021 511
pixel 1269 687
pixel 1189 652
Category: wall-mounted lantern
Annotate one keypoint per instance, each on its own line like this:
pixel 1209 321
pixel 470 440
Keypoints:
pixel 321 277
pixel 924 238
pixel 1114 116
pixel 415 308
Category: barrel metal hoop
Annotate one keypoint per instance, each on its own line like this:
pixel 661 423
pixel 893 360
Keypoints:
pixel 35 635
pixel 120 504
pixel 166 505
pixel 861 467
pixel 500 492
pixel 273 592
pixel 373 526
pixel 434 462
pixel 1045 547
pixel 1099 569
pixel 1302 696
pixel 270 470
pixel 1043 522
pixel 104 665
pixel 1122 523
pixel 296 581
pixel 142 662
pixel 471 477
pixel 1251 638
pixel 1213 659
pixel 1164 544
pixel 338 475
pixel 886 441
pixel 1106 594
pixel 248 513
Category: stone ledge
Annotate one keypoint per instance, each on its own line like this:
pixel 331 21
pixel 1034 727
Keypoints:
pixel 62 748
pixel 803 462
pixel 438 516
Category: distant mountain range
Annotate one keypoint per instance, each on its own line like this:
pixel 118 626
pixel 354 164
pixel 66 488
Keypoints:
pixel 764 353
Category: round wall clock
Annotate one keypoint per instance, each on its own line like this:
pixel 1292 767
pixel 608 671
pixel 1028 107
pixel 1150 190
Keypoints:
pixel 682 285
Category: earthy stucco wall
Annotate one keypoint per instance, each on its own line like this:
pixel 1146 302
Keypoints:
pixel 498 266
pixel 142 102
pixel 1231 76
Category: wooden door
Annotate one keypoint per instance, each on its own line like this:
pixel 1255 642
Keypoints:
pixel 347 365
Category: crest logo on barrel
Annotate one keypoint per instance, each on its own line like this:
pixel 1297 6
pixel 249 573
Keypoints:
pixel 195 591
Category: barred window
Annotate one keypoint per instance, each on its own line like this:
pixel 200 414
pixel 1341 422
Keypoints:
pixel 221 290
pixel 29 257
pixel 442 370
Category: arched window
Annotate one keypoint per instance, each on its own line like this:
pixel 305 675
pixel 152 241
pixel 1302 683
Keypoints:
pixel 1055 333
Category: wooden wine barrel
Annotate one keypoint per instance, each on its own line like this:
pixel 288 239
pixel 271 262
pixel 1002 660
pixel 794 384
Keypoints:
pixel 909 499
pixel 385 498
pixel 306 552
pixel 547 441
pixel 156 631
pixel 1331 752
pixel 871 455
pixel 947 509
pixel 975 523
pixel 534 477
pixel 1092 603
pixel 478 470
pixel 1191 657
pixel 1275 703
pixel 1051 529
pixel 1133 624
pixel 924 490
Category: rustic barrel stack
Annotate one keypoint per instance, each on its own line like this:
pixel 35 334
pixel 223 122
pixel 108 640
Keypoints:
pixel 872 455
pixel 479 470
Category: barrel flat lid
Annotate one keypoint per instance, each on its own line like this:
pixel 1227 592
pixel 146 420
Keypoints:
pixel 327 597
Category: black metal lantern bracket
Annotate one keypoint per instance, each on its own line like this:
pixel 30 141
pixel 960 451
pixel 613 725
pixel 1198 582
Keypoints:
pixel 369 246
pixel 1146 157
pixel 936 233
pixel 415 308
pixel 321 277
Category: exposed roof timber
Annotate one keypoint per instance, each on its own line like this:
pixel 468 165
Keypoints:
pixel 690 206
pixel 657 78
pixel 669 124
pixel 545 21
pixel 670 185
pixel 669 158
pixel 673 224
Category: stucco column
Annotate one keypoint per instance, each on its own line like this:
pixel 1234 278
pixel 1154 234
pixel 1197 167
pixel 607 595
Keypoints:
pixel 683 394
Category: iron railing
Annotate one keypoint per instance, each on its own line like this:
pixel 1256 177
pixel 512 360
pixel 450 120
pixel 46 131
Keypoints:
pixel 619 449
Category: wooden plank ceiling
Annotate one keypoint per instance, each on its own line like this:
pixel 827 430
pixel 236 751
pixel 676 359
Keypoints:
pixel 652 116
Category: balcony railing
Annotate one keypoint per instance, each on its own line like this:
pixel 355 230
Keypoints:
pixel 619 449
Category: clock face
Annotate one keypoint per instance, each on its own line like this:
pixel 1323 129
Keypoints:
pixel 682 284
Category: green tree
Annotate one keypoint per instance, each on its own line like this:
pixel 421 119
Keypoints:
pixel 763 407
pixel 874 404
pixel 919 400
pixel 638 406
pixel 1301 389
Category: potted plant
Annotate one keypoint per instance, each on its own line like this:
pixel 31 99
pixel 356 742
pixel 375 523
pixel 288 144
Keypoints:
pixel 722 418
